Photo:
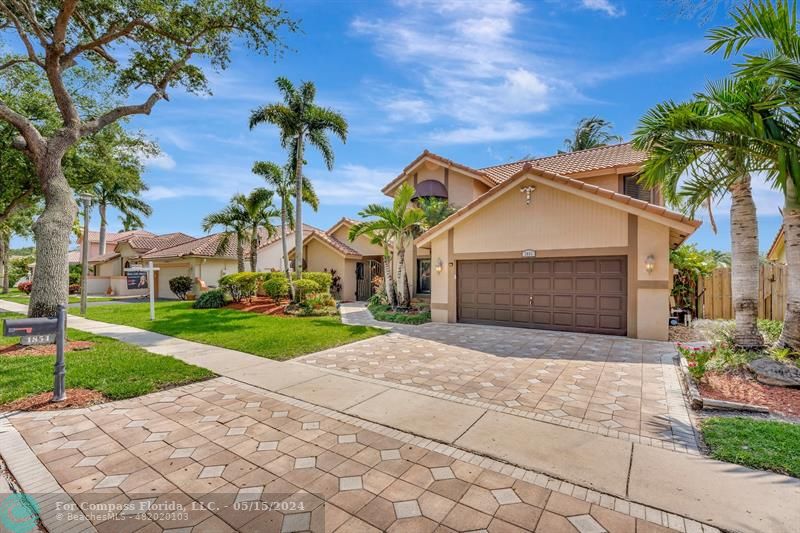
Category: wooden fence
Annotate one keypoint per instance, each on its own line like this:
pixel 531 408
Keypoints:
pixel 715 299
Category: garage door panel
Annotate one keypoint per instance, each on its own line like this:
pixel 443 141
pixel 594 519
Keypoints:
pixel 585 294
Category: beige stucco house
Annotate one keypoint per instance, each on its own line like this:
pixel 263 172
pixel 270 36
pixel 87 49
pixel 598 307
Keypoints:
pixel 569 242
pixel 777 252
pixel 270 251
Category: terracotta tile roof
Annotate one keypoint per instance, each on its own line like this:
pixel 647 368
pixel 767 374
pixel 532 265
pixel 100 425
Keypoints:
pixel 615 155
pixel 111 237
pixel 74 256
pixel 443 160
pixel 343 220
pixel 102 258
pixel 564 180
pixel 266 241
pixel 335 243
pixel 204 247
pixel 152 243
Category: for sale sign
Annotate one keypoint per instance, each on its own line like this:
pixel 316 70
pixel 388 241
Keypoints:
pixel 137 279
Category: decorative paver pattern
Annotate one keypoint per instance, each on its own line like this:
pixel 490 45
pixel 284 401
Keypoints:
pixel 614 383
pixel 349 486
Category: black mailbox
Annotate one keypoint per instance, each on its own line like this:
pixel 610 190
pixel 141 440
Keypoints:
pixel 23 327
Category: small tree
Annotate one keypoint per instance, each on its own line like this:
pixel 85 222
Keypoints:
pixel 128 45
pixel 690 264
pixel 180 286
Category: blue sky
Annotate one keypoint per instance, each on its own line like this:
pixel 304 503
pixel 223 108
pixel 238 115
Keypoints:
pixel 481 82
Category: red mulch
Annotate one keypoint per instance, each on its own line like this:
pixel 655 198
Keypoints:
pixel 261 304
pixel 41 402
pixel 17 350
pixel 741 387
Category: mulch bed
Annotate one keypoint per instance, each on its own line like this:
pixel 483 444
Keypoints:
pixel 261 304
pixel 17 350
pixel 741 387
pixel 41 402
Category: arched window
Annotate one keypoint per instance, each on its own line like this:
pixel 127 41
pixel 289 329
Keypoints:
pixel 430 188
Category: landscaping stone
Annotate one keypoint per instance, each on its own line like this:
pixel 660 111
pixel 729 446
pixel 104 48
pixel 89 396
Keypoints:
pixel 772 372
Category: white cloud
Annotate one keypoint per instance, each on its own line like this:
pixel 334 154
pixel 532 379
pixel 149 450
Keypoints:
pixel 162 161
pixel 470 69
pixel 506 131
pixel 603 5
pixel 350 184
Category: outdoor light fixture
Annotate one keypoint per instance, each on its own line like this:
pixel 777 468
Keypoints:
pixel 650 263
pixel 439 266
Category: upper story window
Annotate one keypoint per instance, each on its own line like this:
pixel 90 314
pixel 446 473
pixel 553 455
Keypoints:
pixel 632 188
pixel 430 188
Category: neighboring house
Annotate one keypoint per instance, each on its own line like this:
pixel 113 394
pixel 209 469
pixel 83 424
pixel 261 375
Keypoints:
pixel 270 252
pixel 569 242
pixel 777 252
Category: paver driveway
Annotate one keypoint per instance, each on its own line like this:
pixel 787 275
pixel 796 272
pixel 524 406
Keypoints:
pixel 616 383
pixel 210 456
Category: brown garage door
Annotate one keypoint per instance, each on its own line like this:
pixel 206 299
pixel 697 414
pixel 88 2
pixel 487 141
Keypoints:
pixel 584 294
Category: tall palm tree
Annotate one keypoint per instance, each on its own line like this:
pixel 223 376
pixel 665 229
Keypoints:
pixel 777 24
pixel 131 221
pixel 591 132
pixel 281 180
pixel 382 238
pixel 708 140
pixel 256 211
pixel 229 218
pixel 396 226
pixel 124 197
pixel 300 120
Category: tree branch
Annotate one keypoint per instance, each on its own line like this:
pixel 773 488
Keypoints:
pixel 15 204
pixel 11 62
pixel 22 34
pixel 34 140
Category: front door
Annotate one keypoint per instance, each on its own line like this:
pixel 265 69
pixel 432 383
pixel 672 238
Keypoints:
pixel 424 276
pixel 362 282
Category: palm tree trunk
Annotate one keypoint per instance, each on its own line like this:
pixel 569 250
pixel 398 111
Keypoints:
pixel 52 231
pixel 402 278
pixel 5 244
pixel 103 223
pixel 388 279
pixel 240 253
pixel 284 244
pixel 298 198
pixel 744 265
pixel 790 337
pixel 254 250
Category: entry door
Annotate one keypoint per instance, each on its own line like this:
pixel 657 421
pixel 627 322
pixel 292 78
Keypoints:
pixel 582 294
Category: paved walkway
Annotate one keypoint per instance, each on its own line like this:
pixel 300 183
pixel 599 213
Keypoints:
pixel 632 474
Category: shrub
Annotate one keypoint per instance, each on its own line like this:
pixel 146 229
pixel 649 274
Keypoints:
pixel 697 358
pixel 212 299
pixel 303 287
pixel 25 286
pixel 384 313
pixel 771 330
pixel 323 279
pixel 180 286
pixel 336 283
pixel 241 285
pixel 75 274
pixel 74 288
pixel 276 287
pixel 18 268
pixel 318 301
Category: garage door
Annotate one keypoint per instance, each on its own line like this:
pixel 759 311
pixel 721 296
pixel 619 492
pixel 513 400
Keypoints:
pixel 583 294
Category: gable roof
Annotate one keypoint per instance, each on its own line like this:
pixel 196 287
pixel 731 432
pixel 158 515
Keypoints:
pixel 676 220
pixel 268 241
pixel 602 157
pixel 443 161
pixel 344 221
pixel 777 243
pixel 207 246
pixel 332 242
pixel 112 237
pixel 151 242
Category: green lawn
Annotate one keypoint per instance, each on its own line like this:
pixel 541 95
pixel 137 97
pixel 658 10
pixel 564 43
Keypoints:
pixel 114 368
pixel 762 444
pixel 273 337
pixel 14 295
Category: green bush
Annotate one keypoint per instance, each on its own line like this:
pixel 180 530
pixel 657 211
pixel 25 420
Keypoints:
pixel 18 268
pixel 323 279
pixel 697 357
pixel 276 287
pixel 75 274
pixel 318 300
pixel 180 286
pixel 305 286
pixel 384 313
pixel 240 285
pixel 771 330
pixel 212 299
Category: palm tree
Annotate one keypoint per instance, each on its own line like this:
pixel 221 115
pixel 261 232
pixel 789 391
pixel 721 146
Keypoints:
pixel 777 23
pixel 396 226
pixel 299 120
pixel 122 196
pixel 709 139
pixel 435 210
pixel 256 211
pixel 382 238
pixel 591 133
pixel 131 221
pixel 281 180
pixel 229 218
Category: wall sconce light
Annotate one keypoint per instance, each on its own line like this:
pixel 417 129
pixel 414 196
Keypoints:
pixel 650 263
pixel 439 266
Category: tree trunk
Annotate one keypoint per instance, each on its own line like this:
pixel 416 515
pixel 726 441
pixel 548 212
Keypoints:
pixel 388 279
pixel 744 265
pixel 790 337
pixel 52 231
pixel 240 253
pixel 103 223
pixel 298 214
pixel 254 250
pixel 5 244
pixel 284 244
pixel 402 278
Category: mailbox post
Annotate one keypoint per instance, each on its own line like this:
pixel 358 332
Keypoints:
pixel 33 331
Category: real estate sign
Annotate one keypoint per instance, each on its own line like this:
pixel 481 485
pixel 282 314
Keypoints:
pixel 137 279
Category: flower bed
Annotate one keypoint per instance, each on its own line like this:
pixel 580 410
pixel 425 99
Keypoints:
pixel 415 315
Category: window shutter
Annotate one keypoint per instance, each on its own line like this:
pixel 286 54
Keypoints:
pixel 635 190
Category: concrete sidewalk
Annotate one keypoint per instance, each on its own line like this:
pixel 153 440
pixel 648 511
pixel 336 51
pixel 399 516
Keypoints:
pixel 727 496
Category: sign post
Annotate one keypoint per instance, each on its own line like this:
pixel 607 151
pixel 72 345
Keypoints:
pixel 33 331
pixel 135 281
